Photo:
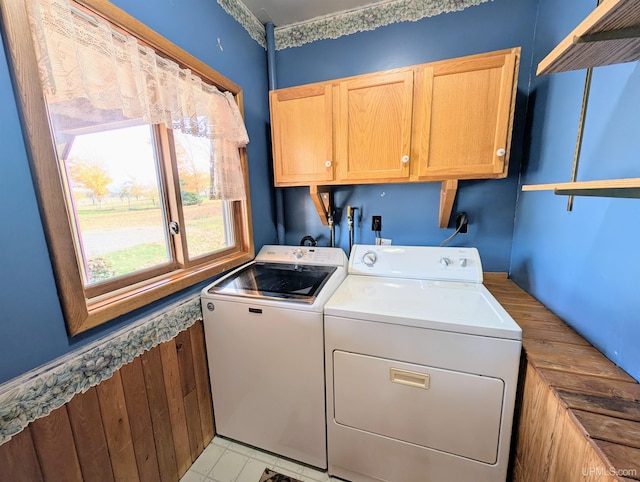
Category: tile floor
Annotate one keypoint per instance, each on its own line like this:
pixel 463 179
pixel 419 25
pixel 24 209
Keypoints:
pixel 227 461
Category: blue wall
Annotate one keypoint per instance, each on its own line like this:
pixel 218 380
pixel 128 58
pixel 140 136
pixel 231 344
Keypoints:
pixel 582 264
pixel 410 212
pixel 31 324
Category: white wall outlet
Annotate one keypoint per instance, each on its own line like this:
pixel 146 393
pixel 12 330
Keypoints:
pixel 383 241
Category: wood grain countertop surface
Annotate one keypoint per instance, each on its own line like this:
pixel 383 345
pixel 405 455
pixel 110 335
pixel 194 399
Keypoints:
pixel 602 399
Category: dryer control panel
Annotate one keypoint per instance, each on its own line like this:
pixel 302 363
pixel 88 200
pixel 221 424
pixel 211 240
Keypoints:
pixel 417 262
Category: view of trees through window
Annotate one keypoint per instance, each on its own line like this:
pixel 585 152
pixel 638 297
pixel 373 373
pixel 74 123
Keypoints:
pixel 120 213
pixel 204 219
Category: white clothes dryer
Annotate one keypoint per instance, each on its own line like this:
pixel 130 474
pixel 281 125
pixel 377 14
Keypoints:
pixel 422 366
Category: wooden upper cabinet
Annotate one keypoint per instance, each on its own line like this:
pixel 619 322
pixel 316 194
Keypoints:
pixel 373 127
pixel 302 134
pixel 440 121
pixel 464 115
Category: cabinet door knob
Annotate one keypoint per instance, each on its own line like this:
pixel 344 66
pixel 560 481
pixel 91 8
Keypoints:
pixel 327 164
pixel 500 152
pixel 405 159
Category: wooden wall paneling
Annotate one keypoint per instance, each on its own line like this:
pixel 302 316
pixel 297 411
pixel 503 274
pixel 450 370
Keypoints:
pixel 560 336
pixel 185 362
pixel 528 323
pixel 522 314
pixel 573 358
pixel 515 299
pixel 568 450
pixel 625 459
pixel 597 405
pixel 610 429
pixel 203 388
pixel 551 447
pixel 528 311
pixel 189 393
pixel 518 474
pixel 593 467
pixel 591 384
pixel 194 426
pixel 88 434
pixel 148 422
pixel 135 394
pixel 620 408
pixel 117 429
pixel 18 459
pixel 537 422
pixel 53 440
pixel 159 411
pixel 175 400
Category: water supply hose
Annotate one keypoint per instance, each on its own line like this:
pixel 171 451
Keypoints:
pixel 351 213
pixel 332 230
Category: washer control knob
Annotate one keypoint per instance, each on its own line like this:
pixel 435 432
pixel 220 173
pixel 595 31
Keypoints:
pixel 445 261
pixel 298 253
pixel 370 258
pixel 463 262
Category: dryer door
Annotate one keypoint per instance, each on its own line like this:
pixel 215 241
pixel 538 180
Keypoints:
pixel 453 412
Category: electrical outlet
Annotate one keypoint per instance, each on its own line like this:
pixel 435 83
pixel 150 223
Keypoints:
pixel 462 223
pixel 376 223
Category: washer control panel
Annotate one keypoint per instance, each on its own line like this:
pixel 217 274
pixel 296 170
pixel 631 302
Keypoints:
pixel 322 256
pixel 417 262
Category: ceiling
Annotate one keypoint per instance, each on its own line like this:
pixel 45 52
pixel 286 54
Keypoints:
pixel 287 12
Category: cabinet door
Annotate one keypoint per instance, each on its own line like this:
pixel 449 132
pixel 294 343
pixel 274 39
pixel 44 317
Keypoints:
pixel 465 115
pixel 302 134
pixel 374 127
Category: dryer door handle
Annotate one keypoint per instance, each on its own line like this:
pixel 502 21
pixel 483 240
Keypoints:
pixel 412 379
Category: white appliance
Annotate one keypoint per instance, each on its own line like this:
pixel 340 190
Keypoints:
pixel 264 335
pixel 422 365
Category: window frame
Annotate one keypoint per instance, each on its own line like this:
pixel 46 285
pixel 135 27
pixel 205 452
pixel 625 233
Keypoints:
pixel 81 312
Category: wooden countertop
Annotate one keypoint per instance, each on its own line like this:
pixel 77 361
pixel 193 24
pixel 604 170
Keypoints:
pixel 602 399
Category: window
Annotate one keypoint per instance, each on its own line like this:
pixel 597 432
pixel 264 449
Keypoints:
pixel 141 200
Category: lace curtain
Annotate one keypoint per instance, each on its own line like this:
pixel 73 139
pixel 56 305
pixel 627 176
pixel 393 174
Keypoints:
pixel 92 74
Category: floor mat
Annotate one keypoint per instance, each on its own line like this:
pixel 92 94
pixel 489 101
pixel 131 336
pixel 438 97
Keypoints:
pixel 271 476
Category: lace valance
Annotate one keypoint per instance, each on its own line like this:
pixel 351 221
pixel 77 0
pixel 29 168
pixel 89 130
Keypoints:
pixel 93 74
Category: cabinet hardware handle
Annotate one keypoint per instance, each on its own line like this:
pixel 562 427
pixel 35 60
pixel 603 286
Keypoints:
pixel 500 152
pixel 327 164
pixel 405 159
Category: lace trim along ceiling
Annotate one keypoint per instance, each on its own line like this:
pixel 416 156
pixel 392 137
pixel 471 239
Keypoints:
pixel 244 17
pixel 344 23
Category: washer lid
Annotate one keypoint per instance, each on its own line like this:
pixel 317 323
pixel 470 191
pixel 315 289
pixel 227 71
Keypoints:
pixel 292 282
pixel 438 305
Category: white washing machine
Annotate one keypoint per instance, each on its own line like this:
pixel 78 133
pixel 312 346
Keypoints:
pixel 422 365
pixel 264 336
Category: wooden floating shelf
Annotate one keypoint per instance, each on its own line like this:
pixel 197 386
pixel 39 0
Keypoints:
pixel 624 188
pixel 609 35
